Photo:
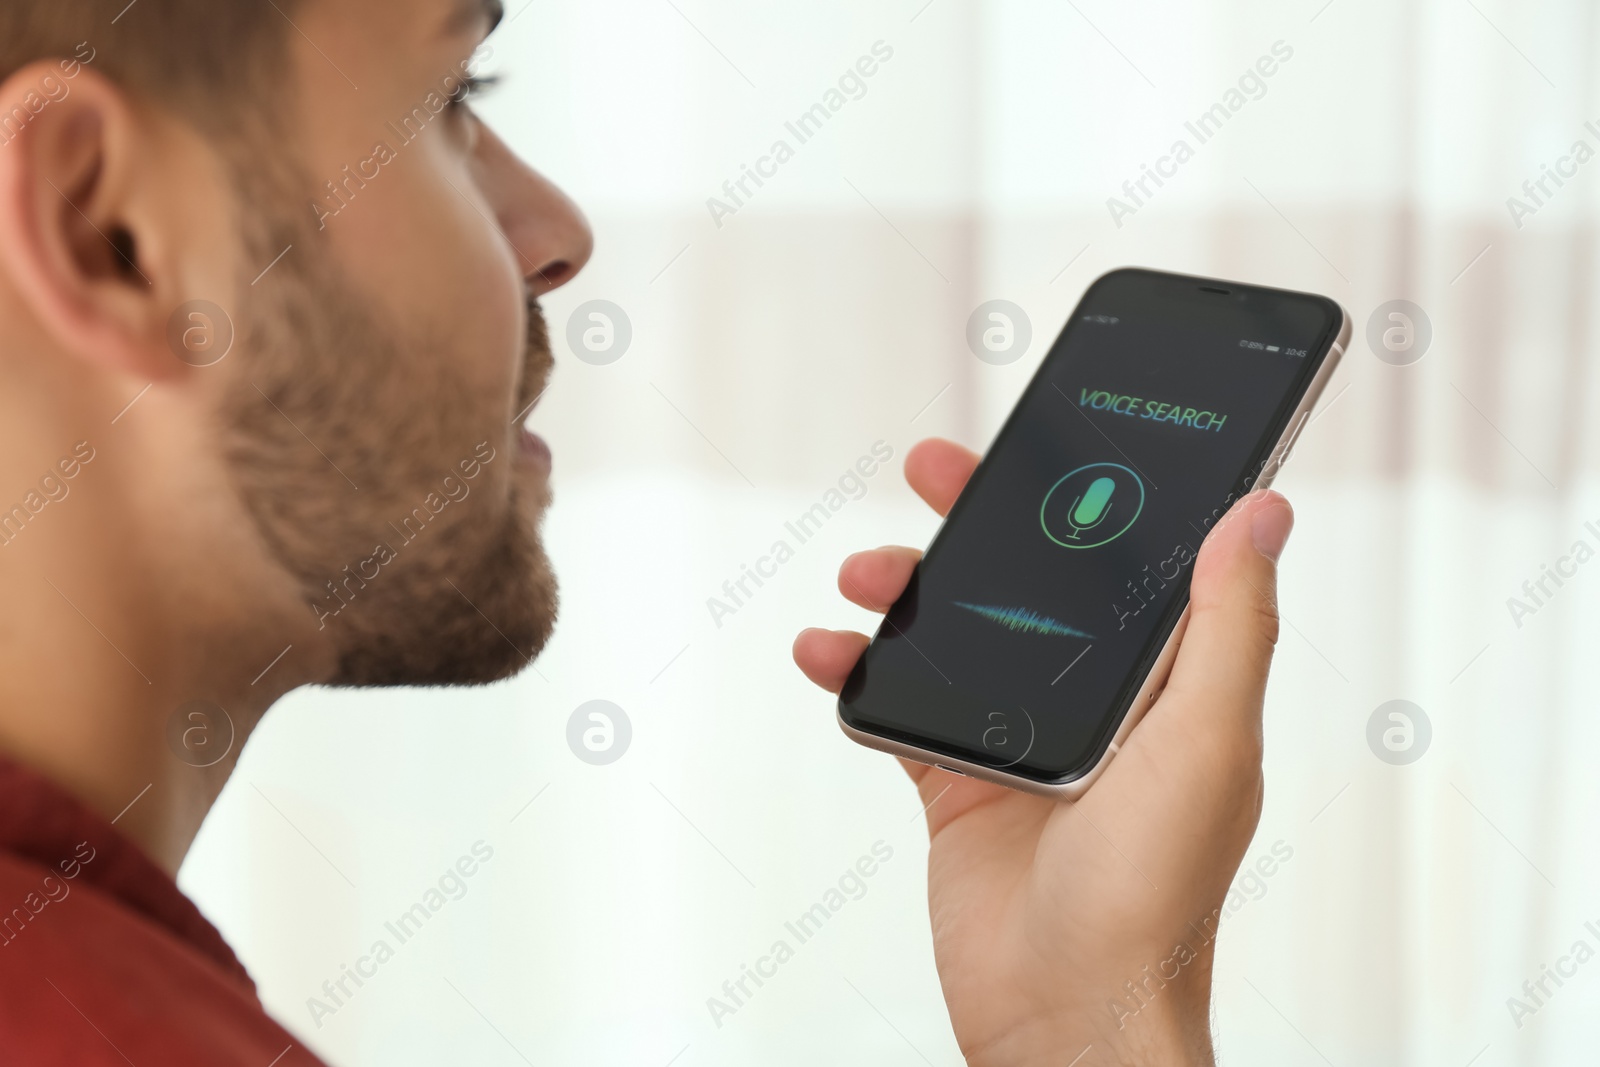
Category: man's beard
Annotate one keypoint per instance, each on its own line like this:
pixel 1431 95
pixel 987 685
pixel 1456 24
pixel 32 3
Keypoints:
pixel 341 436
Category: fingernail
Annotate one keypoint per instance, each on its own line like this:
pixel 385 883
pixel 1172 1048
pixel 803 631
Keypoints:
pixel 1270 530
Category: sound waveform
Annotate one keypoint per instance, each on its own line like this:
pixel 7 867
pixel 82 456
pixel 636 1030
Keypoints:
pixel 1021 620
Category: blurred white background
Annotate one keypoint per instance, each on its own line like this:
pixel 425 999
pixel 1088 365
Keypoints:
pixel 770 352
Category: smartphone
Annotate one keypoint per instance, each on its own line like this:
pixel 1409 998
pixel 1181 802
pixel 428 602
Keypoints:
pixel 1042 620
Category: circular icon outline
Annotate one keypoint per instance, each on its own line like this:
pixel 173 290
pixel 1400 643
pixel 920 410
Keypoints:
pixel 580 723
pixel 1033 735
pixel 1382 722
pixel 581 322
pixel 218 323
pixel 1018 321
pixel 178 733
pixel 1414 320
pixel 1092 466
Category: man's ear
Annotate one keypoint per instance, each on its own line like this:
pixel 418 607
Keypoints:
pixel 84 237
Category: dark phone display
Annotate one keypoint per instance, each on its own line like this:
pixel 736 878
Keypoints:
pixel 1049 591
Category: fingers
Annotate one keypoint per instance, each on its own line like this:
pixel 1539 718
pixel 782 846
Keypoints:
pixel 871 580
pixel 875 579
pixel 1233 625
pixel 827 656
pixel 938 469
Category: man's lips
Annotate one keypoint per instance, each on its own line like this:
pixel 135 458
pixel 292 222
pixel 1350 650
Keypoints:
pixel 532 447
pixel 537 364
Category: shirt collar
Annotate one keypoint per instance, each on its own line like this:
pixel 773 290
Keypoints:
pixel 42 823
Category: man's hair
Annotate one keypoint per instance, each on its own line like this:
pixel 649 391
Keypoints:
pixel 212 62
pixel 222 66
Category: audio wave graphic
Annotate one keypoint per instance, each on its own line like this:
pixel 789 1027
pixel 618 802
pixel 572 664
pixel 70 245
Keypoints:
pixel 1021 620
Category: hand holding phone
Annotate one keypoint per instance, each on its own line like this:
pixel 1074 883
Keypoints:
pixel 1041 623
pixel 1047 915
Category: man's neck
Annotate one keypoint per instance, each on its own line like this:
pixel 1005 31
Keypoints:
pixel 118 628
pixel 134 728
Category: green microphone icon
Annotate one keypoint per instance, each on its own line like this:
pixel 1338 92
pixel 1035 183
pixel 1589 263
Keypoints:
pixel 1090 509
pixel 1107 499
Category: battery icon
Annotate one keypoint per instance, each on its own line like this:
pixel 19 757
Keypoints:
pixel 1272 348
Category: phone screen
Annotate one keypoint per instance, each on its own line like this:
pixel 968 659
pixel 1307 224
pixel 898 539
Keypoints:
pixel 1051 588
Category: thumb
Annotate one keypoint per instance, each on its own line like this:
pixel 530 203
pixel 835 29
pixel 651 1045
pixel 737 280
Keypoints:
pixel 1233 615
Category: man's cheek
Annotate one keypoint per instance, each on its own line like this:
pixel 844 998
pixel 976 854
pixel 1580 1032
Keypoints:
pixel 421 241
pixel 477 289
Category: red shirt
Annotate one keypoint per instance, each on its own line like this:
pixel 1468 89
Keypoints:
pixel 103 962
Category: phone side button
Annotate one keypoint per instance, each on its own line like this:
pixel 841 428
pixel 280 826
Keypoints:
pixel 1294 438
pixel 952 770
pixel 1280 453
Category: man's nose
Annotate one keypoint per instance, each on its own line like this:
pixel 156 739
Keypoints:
pixel 551 237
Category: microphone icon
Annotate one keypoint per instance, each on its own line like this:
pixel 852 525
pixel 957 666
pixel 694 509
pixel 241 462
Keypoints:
pixel 1091 507
pixel 1093 486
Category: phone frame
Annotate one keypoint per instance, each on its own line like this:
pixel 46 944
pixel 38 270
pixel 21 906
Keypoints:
pixel 1156 677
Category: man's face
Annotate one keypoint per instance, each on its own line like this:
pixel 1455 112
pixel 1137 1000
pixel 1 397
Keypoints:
pixel 373 414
